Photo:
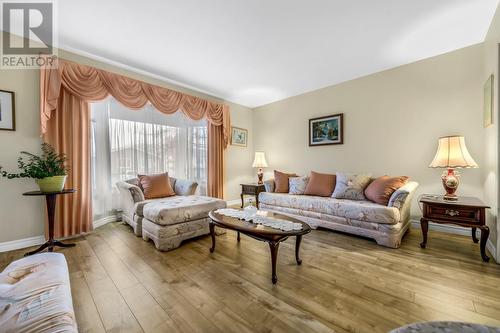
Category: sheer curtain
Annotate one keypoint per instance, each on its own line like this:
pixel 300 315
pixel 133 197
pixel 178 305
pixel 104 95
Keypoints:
pixel 127 142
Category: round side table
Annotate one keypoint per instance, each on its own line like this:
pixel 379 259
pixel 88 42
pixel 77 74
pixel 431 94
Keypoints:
pixel 50 198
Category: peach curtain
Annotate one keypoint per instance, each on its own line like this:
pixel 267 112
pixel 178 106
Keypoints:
pixel 215 184
pixel 92 84
pixel 65 94
pixel 68 131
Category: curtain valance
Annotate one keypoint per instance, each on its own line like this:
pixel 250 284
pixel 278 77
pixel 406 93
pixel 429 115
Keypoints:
pixel 91 84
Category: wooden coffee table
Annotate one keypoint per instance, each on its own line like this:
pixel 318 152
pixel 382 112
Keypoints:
pixel 266 234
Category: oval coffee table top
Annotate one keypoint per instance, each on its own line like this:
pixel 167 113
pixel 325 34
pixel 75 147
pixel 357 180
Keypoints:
pixel 258 229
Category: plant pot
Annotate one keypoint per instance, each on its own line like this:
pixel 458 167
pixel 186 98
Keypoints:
pixel 51 184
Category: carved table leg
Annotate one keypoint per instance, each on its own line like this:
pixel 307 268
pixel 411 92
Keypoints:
pixel 273 246
pixel 212 233
pixel 238 238
pixel 485 232
pixel 297 249
pixel 424 225
pixel 242 201
pixel 257 200
pixel 474 238
pixel 41 248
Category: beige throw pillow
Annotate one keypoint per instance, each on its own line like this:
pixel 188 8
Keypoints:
pixel 297 185
pixel 350 186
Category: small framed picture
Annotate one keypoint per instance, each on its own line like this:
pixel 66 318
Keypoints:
pixel 7 111
pixel 488 102
pixel 239 136
pixel 328 130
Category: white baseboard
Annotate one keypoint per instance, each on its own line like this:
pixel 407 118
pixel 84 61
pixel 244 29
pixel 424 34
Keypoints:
pixel 39 240
pixel 492 249
pixel 21 243
pixel 238 201
pixel 105 220
pixel 453 229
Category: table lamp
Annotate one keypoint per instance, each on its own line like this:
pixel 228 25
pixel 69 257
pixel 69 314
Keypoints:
pixel 452 154
pixel 260 162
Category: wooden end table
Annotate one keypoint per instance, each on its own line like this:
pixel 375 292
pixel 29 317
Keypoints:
pixel 259 232
pixel 50 198
pixel 466 212
pixel 251 189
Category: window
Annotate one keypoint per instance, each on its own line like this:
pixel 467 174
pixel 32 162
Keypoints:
pixel 128 142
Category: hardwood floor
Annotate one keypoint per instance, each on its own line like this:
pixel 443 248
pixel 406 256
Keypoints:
pixel 346 284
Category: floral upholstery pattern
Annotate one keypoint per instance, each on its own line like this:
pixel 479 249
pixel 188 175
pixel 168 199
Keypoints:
pixel 350 209
pixel 180 209
pixel 269 185
pixel 170 237
pixel 297 185
pixel 351 186
pixel 446 327
pixel 386 224
pixel 400 196
pixel 133 201
pixel 384 234
pixel 185 187
pixel 35 295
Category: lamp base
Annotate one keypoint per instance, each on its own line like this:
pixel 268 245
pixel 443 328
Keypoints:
pixel 260 176
pixel 451 180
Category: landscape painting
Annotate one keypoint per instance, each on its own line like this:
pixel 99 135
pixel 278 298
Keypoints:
pixel 7 111
pixel 326 130
pixel 239 136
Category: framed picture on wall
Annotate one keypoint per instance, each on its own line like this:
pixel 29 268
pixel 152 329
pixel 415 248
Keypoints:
pixel 7 111
pixel 328 130
pixel 488 102
pixel 239 136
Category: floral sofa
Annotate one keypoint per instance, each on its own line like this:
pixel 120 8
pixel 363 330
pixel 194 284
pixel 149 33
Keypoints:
pixel 386 224
pixel 170 220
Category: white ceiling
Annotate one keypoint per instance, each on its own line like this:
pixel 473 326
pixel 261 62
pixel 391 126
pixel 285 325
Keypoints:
pixel 255 52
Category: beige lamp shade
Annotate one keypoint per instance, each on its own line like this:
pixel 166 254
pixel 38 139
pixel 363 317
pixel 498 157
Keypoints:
pixel 260 160
pixel 452 153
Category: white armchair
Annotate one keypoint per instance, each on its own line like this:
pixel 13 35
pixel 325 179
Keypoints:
pixel 133 201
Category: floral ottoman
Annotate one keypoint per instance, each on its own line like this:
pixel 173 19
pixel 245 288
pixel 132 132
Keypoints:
pixel 169 222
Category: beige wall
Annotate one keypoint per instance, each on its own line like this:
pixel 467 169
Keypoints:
pixel 490 169
pixel 392 122
pixel 22 217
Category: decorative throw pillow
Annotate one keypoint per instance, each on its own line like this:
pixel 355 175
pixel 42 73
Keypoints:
pixel 320 184
pixel 350 186
pixel 381 189
pixel 156 186
pixel 297 185
pixel 281 181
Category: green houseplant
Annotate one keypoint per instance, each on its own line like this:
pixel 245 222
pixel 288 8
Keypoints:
pixel 48 169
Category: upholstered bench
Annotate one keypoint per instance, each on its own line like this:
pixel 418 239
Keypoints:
pixel 35 295
pixel 171 220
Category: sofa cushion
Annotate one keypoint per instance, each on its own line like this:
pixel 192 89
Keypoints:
pixel 180 209
pixel 297 185
pixel 351 186
pixel 139 206
pixel 350 209
pixel 320 184
pixel 156 186
pixel 381 189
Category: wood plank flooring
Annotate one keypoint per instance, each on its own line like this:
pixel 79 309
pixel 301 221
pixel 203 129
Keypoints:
pixel 346 284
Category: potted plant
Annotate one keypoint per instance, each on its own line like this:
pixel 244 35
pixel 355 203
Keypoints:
pixel 48 170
